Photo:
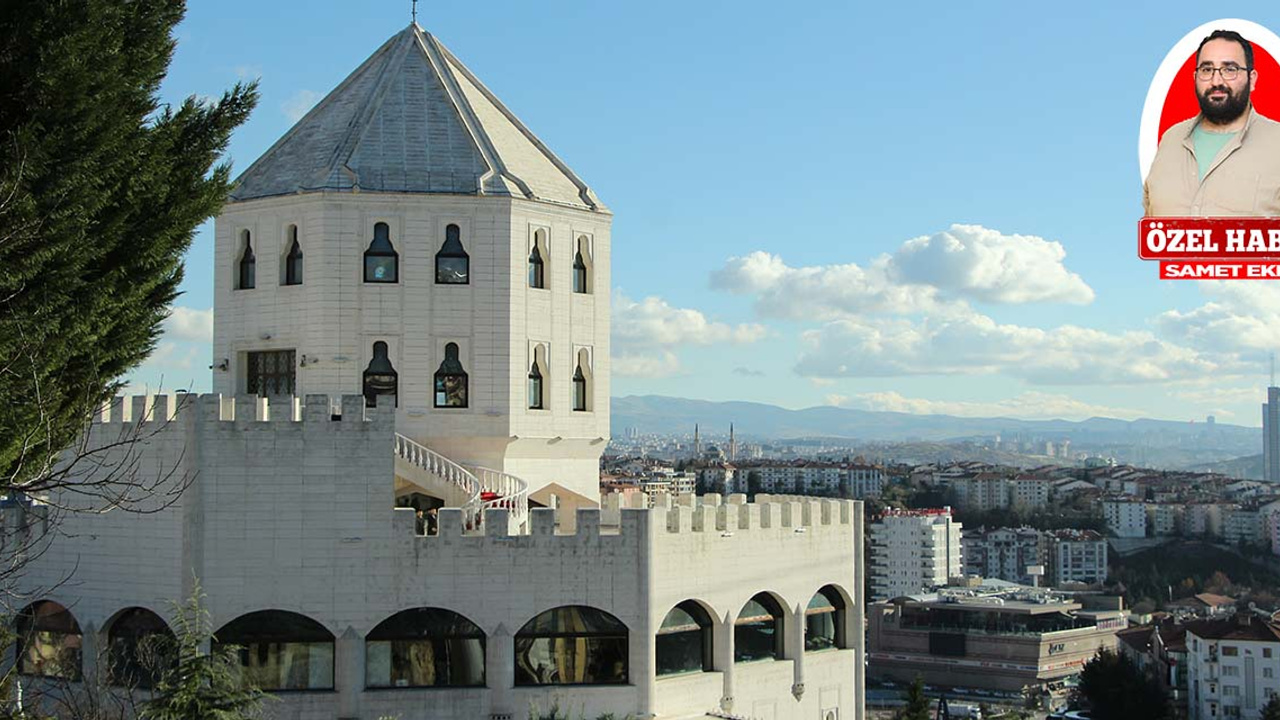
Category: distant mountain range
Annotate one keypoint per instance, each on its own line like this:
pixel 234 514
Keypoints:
pixel 670 415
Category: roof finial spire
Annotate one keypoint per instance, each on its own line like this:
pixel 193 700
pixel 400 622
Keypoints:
pixel 415 12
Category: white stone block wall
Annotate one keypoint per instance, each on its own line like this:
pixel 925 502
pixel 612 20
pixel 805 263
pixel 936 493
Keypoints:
pixel 293 511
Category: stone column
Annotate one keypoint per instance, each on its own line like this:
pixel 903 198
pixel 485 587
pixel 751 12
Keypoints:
pixel 724 660
pixel 499 660
pixel 795 639
pixel 348 672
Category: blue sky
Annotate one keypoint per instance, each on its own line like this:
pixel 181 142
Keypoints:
pixel 928 208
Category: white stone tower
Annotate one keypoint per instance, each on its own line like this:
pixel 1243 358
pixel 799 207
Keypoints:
pixel 411 235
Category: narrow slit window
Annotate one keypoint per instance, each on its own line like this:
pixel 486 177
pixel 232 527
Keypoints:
pixel 537 271
pixel 246 275
pixel 579 390
pixel 535 387
pixel 293 261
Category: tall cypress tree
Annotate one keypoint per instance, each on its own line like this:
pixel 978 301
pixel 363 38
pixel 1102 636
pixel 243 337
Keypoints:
pixel 101 190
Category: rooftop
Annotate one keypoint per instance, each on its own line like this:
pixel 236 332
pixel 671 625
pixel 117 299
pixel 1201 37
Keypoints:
pixel 413 119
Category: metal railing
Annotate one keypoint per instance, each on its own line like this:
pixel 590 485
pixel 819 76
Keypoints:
pixel 512 493
pixel 509 492
pixel 447 471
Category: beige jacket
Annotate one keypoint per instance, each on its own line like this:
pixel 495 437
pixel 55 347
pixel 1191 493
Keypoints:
pixel 1244 178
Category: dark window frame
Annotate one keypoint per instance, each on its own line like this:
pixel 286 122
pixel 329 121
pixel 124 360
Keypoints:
pixel 400 628
pixel 293 259
pixel 247 265
pixel 618 635
pixel 275 631
pixel 451 369
pixel 285 368
pixel 704 625
pixel 381 247
pixel 452 250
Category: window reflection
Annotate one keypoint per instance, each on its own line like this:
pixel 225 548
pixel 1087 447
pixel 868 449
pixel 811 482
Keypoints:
pixel 684 640
pixel 281 650
pixel 572 645
pixel 757 633
pixel 824 620
pixel 451 380
pixel 139 647
pixel 453 265
pixel 49 641
pixel 425 647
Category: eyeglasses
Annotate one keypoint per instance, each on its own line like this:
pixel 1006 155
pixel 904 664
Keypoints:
pixel 1205 73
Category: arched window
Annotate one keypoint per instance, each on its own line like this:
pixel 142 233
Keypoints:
pixel 381 261
pixel 49 641
pixel 425 647
pixel 535 387
pixel 246 273
pixel 537 271
pixel 451 380
pixel 281 650
pixel 824 620
pixel 684 640
pixel 582 382
pixel 293 261
pixel 582 267
pixel 453 265
pixel 380 377
pixel 757 633
pixel 139 648
pixel 572 645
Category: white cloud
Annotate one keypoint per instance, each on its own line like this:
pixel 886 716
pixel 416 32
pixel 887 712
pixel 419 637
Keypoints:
pixel 661 364
pixel 976 344
pixel 1240 317
pixel 248 72
pixel 299 104
pixel 935 275
pixel 189 324
pixel 973 262
pixel 1027 405
pixel 823 292
pixel 645 333
pixel 653 321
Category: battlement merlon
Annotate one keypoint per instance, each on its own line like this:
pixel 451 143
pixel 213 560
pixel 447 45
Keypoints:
pixel 776 517
pixel 244 409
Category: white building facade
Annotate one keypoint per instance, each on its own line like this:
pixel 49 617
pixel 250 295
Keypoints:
pixel 914 551
pixel 1233 667
pixel 1125 518
pixel 412 302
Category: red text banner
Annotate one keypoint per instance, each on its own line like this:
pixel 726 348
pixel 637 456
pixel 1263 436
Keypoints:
pixel 1218 238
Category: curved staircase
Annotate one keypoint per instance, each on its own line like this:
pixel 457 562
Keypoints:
pixel 474 489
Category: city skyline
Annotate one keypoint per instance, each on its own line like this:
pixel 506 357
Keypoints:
pixel 948 272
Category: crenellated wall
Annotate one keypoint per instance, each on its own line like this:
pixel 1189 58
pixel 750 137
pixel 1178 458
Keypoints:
pixel 288 505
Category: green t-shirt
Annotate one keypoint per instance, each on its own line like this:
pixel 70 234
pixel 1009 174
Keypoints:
pixel 1208 145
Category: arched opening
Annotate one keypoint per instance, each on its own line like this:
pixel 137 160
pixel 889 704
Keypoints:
pixel 572 645
pixel 536 394
pixel 246 269
pixel 293 260
pixel 381 261
pixel 49 641
pixel 824 620
pixel 451 380
pixel 453 265
pixel 537 258
pixel 425 647
pixel 684 640
pixel 582 266
pixel 140 647
pixel 281 650
pixel 758 631
pixel 582 382
pixel 380 378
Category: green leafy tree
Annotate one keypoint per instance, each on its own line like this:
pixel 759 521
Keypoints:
pixel 917 707
pixel 1271 711
pixel 101 190
pixel 198 685
pixel 1114 688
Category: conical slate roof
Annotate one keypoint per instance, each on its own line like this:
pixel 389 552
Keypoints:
pixel 413 119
